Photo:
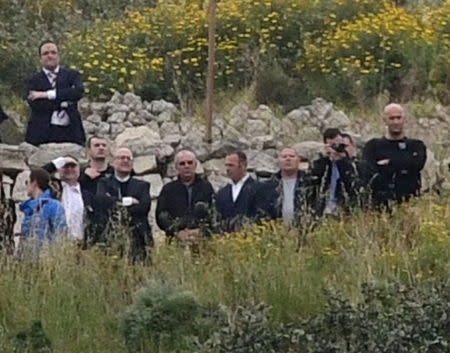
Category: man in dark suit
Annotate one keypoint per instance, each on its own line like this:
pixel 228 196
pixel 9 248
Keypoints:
pixel 236 201
pixel 52 95
pixel 129 200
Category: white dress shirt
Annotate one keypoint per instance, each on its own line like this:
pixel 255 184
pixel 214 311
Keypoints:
pixel 237 187
pixel 72 201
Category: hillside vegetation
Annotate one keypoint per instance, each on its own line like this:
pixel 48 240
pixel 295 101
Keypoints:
pixel 347 51
pixel 391 272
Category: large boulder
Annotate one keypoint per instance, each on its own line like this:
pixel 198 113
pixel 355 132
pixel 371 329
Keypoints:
pixel 47 152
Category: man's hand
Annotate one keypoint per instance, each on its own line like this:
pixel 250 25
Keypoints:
pixel 383 161
pixel 37 95
pixel 92 172
pixel 330 152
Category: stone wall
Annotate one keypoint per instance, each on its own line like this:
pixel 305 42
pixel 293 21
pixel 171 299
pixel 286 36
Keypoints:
pixel 156 130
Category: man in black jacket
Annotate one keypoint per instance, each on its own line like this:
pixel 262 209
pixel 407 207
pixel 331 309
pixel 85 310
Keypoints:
pixel 335 175
pixel 236 201
pixel 53 94
pixel 130 199
pixel 398 160
pixel 289 194
pixel 184 205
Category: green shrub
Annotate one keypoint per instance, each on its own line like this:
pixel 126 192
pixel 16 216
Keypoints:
pixel 162 316
pixel 389 319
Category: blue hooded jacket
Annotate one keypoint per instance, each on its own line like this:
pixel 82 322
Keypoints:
pixel 44 217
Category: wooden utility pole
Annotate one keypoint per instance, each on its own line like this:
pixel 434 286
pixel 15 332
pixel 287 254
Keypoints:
pixel 210 75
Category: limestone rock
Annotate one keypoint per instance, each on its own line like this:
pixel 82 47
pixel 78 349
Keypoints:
pixel 20 187
pixel 219 149
pixel 218 181
pixel 94 119
pixel 216 166
pixel 145 115
pixel 117 129
pixel 136 119
pixel 262 163
pixel 309 150
pixel 132 100
pixel 257 127
pixel 117 98
pixel 431 172
pixel 169 128
pixel 172 140
pixel 263 142
pixel 144 164
pixel 159 106
pixel 12 158
pixel 47 152
pixel 263 112
pixel 28 149
pixel 156 184
pixel 118 117
pixel 99 109
pixel 89 127
pixel 138 136
pixel 104 128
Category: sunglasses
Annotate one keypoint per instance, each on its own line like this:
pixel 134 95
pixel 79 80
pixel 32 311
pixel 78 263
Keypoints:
pixel 183 163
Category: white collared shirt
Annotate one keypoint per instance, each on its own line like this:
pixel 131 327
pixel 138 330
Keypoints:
pixel 72 201
pixel 237 187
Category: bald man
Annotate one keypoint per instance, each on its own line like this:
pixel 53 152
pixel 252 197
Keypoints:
pixel 398 160
pixel 183 202
pixel 131 197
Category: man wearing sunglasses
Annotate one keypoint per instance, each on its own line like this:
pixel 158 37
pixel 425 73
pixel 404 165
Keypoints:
pixel 184 204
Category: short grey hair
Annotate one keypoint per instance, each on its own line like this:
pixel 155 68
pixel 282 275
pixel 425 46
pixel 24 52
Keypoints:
pixel 182 153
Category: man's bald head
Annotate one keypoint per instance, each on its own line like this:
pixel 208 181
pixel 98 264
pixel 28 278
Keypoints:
pixel 394 118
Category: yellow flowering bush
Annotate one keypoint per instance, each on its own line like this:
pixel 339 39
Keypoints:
pixel 375 50
pixel 334 45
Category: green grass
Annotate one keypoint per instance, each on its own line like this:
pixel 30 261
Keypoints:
pixel 79 295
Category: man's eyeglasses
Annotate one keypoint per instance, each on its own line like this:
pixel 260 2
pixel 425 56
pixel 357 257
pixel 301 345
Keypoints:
pixel 124 158
pixel 183 163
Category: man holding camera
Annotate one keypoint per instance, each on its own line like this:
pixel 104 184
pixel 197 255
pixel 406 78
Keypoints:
pixel 334 174
pixel 398 160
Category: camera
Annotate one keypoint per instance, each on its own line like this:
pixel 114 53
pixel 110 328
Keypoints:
pixel 339 147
